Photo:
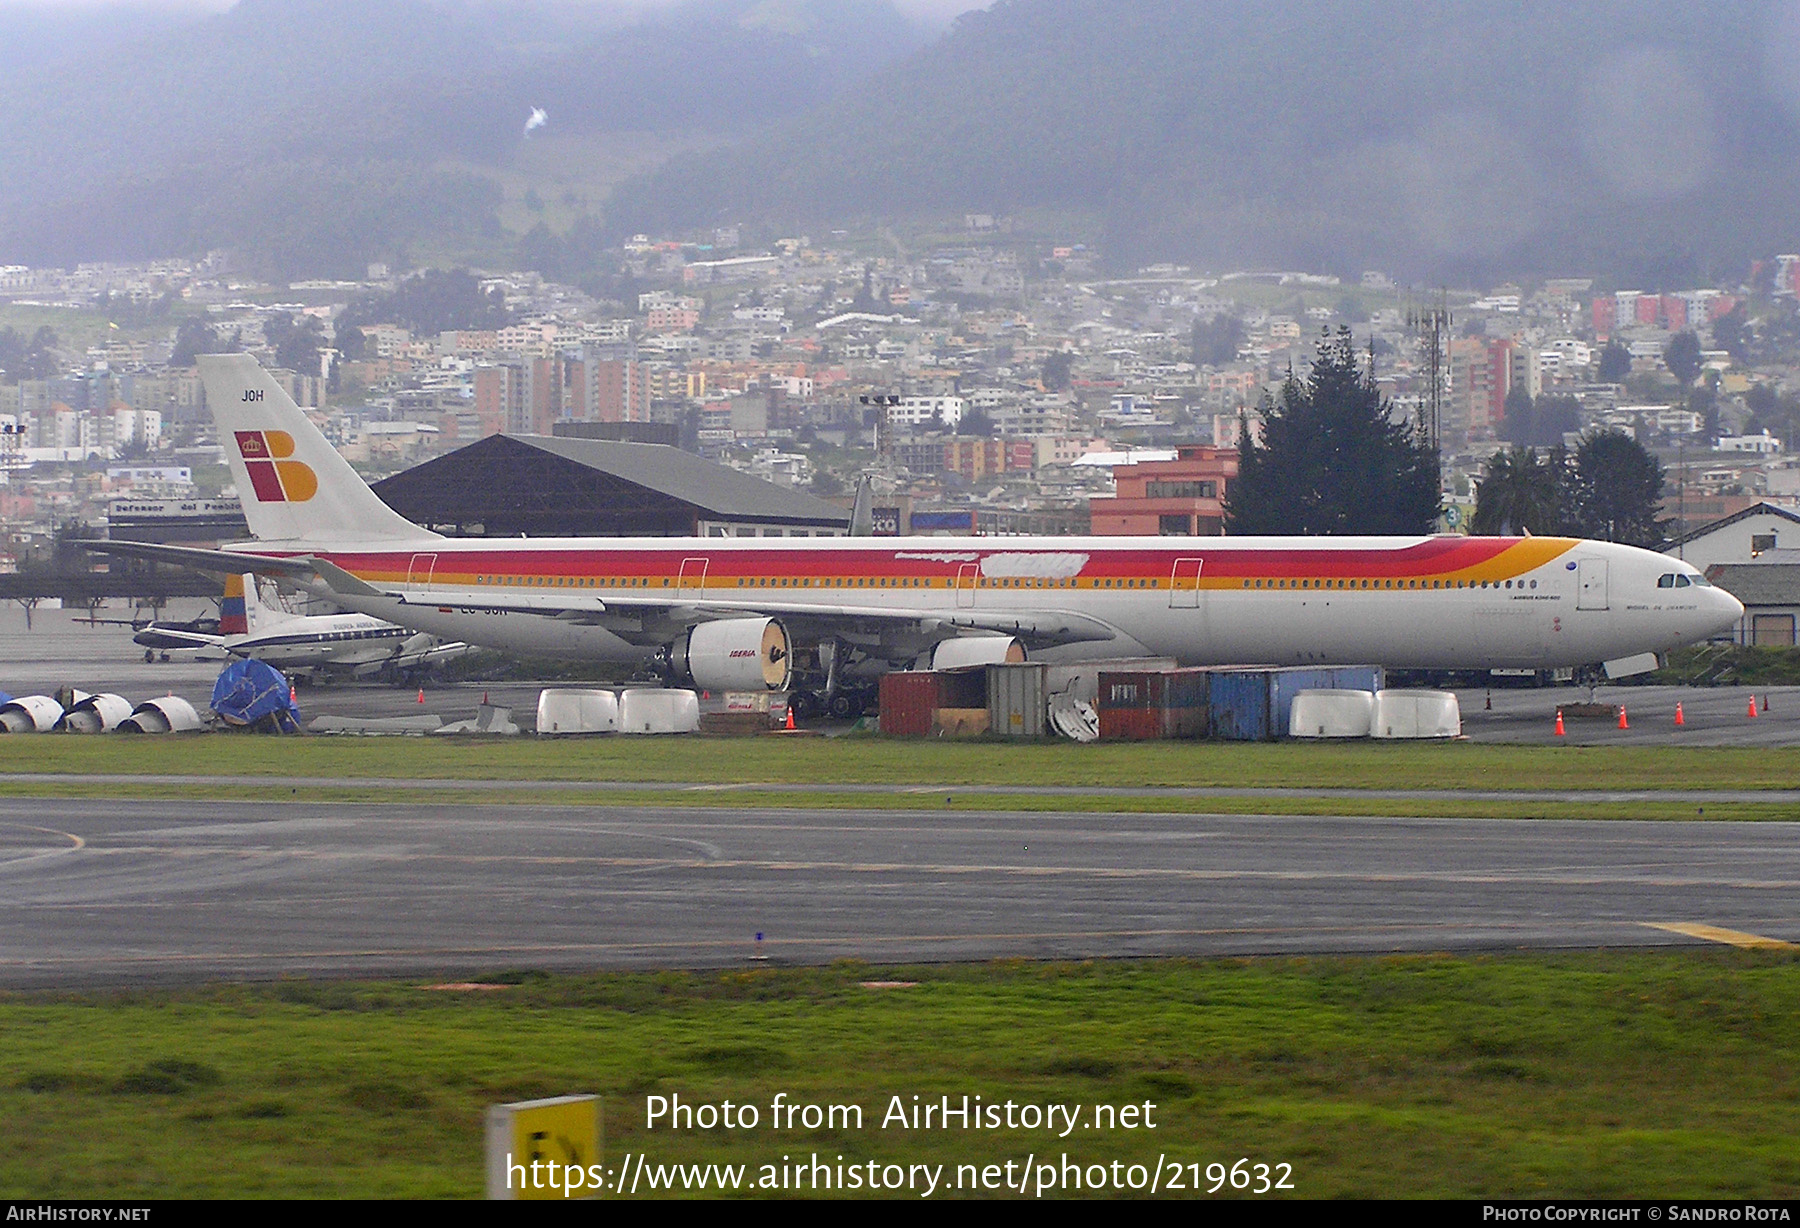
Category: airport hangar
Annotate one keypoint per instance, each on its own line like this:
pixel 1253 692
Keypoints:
pixel 566 486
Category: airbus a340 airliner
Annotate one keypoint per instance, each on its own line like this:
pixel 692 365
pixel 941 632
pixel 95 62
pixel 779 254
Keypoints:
pixel 819 613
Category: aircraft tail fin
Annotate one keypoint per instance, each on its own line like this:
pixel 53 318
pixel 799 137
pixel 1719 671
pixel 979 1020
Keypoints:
pixel 293 483
pixel 234 615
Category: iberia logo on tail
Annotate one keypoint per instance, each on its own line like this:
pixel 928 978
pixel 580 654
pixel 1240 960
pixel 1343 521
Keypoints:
pixel 275 478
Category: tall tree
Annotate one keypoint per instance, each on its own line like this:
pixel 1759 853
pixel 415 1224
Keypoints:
pixel 1332 460
pixel 1618 490
pixel 1519 491
pixel 192 336
pixel 1554 417
pixel 1731 333
pixel 975 422
pixel 1057 366
pixel 1682 356
pixel 1518 425
pixel 296 340
pixel 1216 339
pixel 1615 362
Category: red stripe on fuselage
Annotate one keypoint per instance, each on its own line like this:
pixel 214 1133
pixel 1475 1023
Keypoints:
pixel 726 561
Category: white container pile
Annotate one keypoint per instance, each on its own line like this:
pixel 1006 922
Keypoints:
pixel 577 712
pixel 1376 714
pixel 658 710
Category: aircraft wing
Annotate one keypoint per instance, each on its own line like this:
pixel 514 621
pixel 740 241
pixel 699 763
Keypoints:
pixel 167 639
pixel 1039 628
pixel 226 561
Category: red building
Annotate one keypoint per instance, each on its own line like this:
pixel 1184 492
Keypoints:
pixel 1175 498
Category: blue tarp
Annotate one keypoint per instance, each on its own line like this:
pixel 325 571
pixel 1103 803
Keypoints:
pixel 5 698
pixel 249 692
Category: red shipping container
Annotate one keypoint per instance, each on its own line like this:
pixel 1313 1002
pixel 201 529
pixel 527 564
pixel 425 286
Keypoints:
pixel 908 698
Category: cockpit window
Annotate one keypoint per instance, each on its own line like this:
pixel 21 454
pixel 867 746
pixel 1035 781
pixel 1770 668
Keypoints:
pixel 1680 580
pixel 1665 581
pixel 1700 581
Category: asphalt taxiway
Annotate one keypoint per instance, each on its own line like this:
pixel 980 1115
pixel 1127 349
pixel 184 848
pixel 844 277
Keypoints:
pixel 101 892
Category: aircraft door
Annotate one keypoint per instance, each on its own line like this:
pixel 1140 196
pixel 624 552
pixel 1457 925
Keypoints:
pixel 419 571
pixel 692 582
pixel 1184 584
pixel 966 575
pixel 1591 575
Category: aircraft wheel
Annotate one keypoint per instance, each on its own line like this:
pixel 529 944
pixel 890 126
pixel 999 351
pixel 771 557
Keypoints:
pixel 846 706
pixel 149 655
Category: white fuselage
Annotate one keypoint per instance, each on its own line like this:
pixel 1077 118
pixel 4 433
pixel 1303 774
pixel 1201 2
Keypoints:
pixel 1404 602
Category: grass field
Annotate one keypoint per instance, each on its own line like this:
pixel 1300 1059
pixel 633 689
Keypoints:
pixel 1600 1074
pixel 870 760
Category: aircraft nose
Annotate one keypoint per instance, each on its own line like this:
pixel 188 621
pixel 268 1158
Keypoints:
pixel 1728 609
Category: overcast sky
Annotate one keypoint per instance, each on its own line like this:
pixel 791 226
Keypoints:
pixel 931 10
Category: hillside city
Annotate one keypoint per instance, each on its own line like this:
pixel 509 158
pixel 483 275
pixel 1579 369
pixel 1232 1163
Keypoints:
pixel 989 382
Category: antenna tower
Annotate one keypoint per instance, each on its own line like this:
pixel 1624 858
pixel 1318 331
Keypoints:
pixel 1433 325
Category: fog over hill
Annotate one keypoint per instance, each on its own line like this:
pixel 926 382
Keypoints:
pixel 317 134
pixel 1439 139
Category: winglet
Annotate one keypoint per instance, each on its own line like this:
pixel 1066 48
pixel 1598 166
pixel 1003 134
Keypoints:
pixel 862 513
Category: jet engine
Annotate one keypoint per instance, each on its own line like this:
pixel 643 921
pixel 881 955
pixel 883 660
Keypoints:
pixel 735 654
pixel 977 650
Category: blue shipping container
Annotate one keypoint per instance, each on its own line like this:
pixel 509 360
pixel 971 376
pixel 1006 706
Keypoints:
pixel 1252 705
pixel 1238 705
pixel 1284 684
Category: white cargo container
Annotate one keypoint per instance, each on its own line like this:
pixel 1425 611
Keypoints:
pixel 1332 714
pixel 658 710
pixel 572 712
pixel 1416 714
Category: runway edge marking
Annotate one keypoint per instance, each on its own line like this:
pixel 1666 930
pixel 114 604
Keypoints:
pixel 1714 933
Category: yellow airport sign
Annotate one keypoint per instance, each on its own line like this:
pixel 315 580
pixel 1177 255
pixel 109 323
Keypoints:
pixel 545 1149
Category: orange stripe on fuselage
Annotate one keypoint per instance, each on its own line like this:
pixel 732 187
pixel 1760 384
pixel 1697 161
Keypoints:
pixel 1473 559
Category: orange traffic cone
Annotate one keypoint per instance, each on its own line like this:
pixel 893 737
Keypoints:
pixel 1559 724
pixel 1623 723
pixel 1753 707
pixel 790 720
pixel 421 694
pixel 293 695
pixel 1679 719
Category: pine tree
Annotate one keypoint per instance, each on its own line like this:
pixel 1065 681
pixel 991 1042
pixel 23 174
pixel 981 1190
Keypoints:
pixel 1332 460
pixel 1618 490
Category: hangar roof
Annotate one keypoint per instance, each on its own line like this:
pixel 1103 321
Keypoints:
pixel 1759 584
pixel 543 486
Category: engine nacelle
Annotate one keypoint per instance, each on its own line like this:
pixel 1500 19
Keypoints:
pixel 735 654
pixel 977 650
pixel 30 714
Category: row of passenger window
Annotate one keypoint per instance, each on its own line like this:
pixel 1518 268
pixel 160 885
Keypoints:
pixel 1387 584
